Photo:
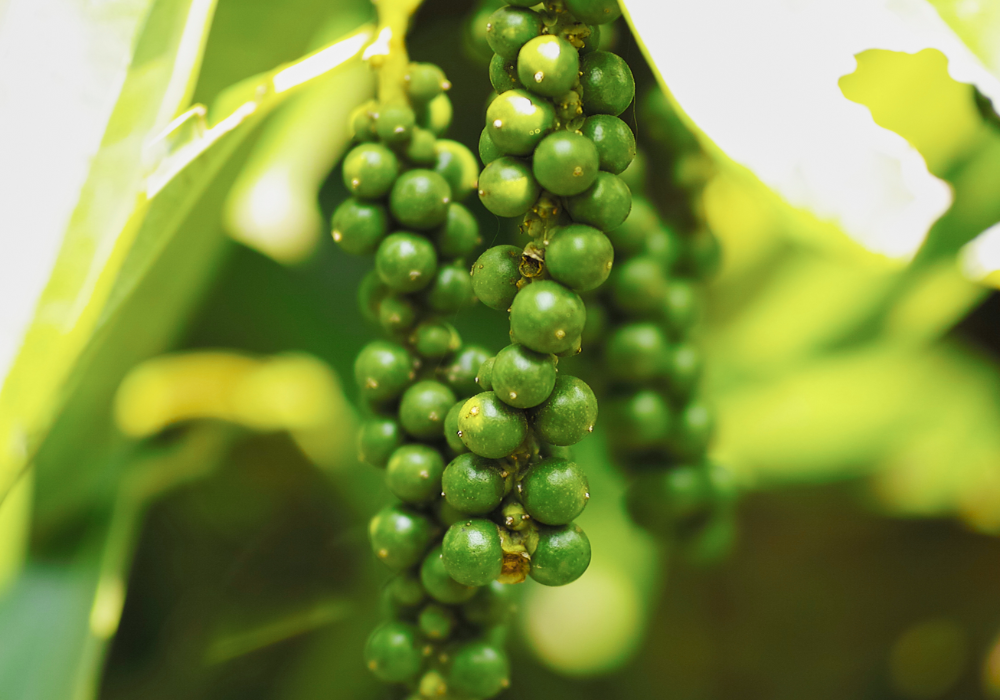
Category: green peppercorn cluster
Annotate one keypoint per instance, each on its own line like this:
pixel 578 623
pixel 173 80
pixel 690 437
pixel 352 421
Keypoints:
pixel 406 185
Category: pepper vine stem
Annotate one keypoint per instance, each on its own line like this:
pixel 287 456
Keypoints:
pixel 387 53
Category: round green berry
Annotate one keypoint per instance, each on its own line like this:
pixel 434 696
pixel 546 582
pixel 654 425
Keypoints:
pixel 472 484
pixel 393 652
pixel 359 227
pixel 684 368
pixel 507 187
pixel 639 421
pixel 405 589
pixel 605 204
pixel 456 164
pixel 362 122
pixel 383 370
pixel 484 378
pixel 400 536
pixel 702 255
pixel 369 171
pixel 637 352
pixel 579 256
pixel 406 262
pixel 378 438
pixel 490 607
pixel 451 429
pixel 396 313
pixel 510 28
pixel 450 291
pixel 639 286
pixel 517 121
pixel 424 82
pixel 659 501
pixel 495 275
pixel 693 430
pixel 414 474
pixel 568 415
pixel 521 377
pixel 436 621
pixel 547 317
pixel 420 199
pixel 663 245
pixel 420 149
pixel 565 163
pixel 435 339
pixel 423 408
pixel 594 11
pixel 488 151
pixel 460 373
pixel 561 555
pixel 472 552
pixel 395 123
pixel 630 237
pixel 503 74
pixel 459 235
pixel 479 670
pixel 608 85
pixel 614 140
pixel 548 65
pixel 681 309
pixel 439 584
pixel 436 115
pixel 491 428
pixel 554 491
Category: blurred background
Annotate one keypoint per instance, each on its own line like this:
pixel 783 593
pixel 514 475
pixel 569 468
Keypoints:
pixel 183 514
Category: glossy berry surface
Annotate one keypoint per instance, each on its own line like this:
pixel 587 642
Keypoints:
pixel 393 652
pixel 406 262
pixel 359 227
pixel 378 438
pixel 488 151
pixel 451 429
pixel 414 474
pixel 395 123
pixel 568 415
pixel 495 275
pixel 548 65
pixel 479 670
pixel 423 408
pixel 472 552
pixel 522 377
pixel 399 536
pixel 436 115
pixel 613 139
pixel 424 82
pixel 491 428
pixel 460 374
pixel 435 339
pixel 491 605
pixel 369 171
pixel 485 377
pixel 503 74
pixel 419 199
pixel 436 621
pixel 397 313
pixel 419 150
pixel 637 352
pixel 547 317
pixel 458 236
pixel 554 491
pixel 439 584
pixel 510 28
pixel 383 370
pixel 473 485
pixel 594 11
pixel 580 257
pixel 565 163
pixel 605 204
pixel 405 589
pixel 608 85
pixel 561 556
pixel 517 121
pixel 451 289
pixel 507 187
pixel 457 165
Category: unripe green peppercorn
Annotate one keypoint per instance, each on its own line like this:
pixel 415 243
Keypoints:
pixel 458 236
pixel 362 122
pixel 663 245
pixel 521 377
pixel 479 670
pixel 472 484
pixel 396 313
pixel 369 171
pixel 424 82
pixel 436 621
pixel 491 428
pixel 517 121
pixel 359 227
pixel 684 369
pixel 405 589
pixel 693 430
pixel 561 555
pixel 378 438
pixel 456 164
pixel 554 491
pixel 605 204
pixel 419 150
pixel 423 408
pixel 639 286
pixel 435 339
pixel 565 163
pixel 451 290
pixel 630 237
pixel 460 374
pixel 681 309
pixel 485 376
pixel 579 256
pixel 639 421
pixel 371 292
pixel 495 275
pixel 548 65
pixel 568 415
pixel 608 85
pixel 393 652
pixel 491 606
pixel 507 187
pixel 395 123
pixel 436 115
pixel 400 536
pixel 451 429
pixel 406 262
pixel 547 317
pixel 510 28
pixel 472 552
pixel 613 139
pixel 414 474
pixel 382 370
pixel 503 74
pixel 488 151
pixel 419 199
pixel 594 11
pixel 637 352
pixel 439 584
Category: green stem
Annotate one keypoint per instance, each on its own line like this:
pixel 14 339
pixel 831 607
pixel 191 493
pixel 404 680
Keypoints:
pixel 390 58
